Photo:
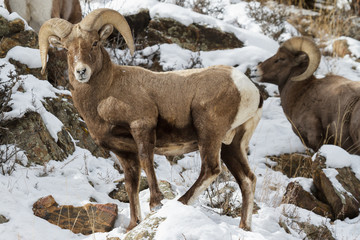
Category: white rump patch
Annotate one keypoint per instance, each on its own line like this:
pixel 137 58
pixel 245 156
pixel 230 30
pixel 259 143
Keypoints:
pixel 35 12
pixel 250 98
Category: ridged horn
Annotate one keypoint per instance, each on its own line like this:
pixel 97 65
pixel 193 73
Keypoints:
pixel 307 46
pixel 102 16
pixel 52 27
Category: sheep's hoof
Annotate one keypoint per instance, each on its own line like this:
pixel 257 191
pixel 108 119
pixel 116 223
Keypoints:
pixel 132 225
pixel 244 227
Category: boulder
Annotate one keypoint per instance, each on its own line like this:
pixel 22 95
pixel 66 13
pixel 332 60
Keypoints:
pixel 88 219
pixel 339 188
pixel 295 194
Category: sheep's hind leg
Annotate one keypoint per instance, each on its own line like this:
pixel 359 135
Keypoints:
pixel 235 158
pixel 145 141
pixel 131 166
pixel 210 169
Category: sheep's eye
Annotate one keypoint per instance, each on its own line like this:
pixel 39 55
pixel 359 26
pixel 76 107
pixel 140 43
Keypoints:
pixel 95 44
pixel 279 60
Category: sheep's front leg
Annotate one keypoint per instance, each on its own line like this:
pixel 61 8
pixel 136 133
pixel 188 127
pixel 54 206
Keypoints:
pixel 131 166
pixel 143 133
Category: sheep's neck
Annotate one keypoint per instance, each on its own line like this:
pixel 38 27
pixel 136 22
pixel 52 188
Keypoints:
pixel 291 92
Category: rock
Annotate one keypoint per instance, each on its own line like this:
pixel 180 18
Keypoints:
pixel 9 28
pixel 3 219
pixel 88 219
pixel 339 188
pixel 30 134
pixel 165 188
pixel 194 37
pixel 146 229
pixel 12 34
pixel 22 69
pixel 314 232
pixel 63 108
pixel 120 192
pixel 295 194
pixel 57 67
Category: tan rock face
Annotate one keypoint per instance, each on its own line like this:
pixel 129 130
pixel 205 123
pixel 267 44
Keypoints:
pixel 88 219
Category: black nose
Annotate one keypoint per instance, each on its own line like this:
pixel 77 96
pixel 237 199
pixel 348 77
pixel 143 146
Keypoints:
pixel 81 71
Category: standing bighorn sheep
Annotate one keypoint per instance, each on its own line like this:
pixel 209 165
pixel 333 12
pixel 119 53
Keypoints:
pixel 135 112
pixel 36 12
pixel 325 110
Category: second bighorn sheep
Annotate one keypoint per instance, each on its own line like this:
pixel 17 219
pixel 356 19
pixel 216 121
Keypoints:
pixel 36 12
pixel 135 112
pixel 325 110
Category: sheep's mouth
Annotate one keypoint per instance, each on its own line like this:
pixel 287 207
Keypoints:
pixel 82 79
pixel 256 74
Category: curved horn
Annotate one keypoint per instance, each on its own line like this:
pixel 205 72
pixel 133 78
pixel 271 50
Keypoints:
pixel 52 27
pixel 307 46
pixel 99 17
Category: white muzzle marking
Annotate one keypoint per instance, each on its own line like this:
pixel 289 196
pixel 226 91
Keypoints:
pixel 82 72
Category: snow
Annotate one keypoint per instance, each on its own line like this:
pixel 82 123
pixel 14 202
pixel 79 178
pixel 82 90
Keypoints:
pixel 25 55
pixel 69 181
pixel 337 157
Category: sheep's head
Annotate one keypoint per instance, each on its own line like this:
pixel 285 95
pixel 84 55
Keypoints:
pixel 297 59
pixel 83 40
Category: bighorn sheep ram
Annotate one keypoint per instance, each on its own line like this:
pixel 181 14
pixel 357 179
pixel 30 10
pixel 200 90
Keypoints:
pixel 36 12
pixel 135 112
pixel 325 110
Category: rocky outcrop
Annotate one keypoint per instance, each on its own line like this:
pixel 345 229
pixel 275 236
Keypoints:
pixel 338 187
pixel 295 194
pixel 30 133
pixel 12 33
pixel 194 37
pixel 63 108
pixel 336 191
pixel 88 219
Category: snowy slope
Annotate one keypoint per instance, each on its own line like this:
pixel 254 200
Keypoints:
pixel 68 181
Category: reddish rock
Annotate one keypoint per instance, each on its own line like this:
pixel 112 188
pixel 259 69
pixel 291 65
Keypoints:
pixel 88 219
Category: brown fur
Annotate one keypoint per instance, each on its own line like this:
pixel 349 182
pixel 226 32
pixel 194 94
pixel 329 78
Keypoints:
pixel 322 111
pixel 135 113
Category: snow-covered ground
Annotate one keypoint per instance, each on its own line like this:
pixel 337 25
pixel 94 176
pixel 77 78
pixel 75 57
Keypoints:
pixel 68 181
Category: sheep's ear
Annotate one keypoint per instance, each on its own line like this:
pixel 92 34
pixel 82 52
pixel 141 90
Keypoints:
pixel 105 31
pixel 300 58
pixel 55 41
